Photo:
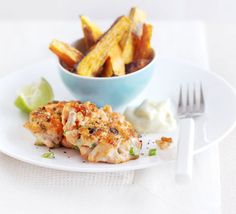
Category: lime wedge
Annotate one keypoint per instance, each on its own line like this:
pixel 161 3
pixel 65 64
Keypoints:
pixel 34 96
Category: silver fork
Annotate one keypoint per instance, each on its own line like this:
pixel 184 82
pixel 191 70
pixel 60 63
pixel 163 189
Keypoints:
pixel 187 111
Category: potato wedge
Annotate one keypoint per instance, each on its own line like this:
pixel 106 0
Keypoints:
pixel 143 48
pixel 137 18
pixel 107 68
pixel 136 65
pixel 98 55
pixel 91 32
pixel 127 48
pixel 115 64
pixel 67 54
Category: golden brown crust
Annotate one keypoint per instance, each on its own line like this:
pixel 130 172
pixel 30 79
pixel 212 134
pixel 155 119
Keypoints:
pixel 45 124
pixel 100 134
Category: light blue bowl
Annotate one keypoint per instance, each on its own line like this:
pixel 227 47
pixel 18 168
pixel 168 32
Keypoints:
pixel 115 91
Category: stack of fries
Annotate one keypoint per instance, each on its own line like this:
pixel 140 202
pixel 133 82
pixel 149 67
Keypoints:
pixel 124 48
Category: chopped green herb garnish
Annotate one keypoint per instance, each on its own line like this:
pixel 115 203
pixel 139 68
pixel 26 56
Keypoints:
pixel 75 147
pixel 38 144
pixel 93 146
pixel 79 142
pixel 48 155
pixel 131 151
pixel 152 152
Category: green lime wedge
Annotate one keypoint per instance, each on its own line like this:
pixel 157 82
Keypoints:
pixel 34 96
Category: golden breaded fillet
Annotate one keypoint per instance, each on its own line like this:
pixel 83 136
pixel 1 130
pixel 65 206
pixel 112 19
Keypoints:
pixel 100 134
pixel 45 123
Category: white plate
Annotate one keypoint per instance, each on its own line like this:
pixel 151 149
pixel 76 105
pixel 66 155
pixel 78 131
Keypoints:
pixel 17 142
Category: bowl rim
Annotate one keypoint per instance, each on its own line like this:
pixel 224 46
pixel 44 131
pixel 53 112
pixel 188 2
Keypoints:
pixel 108 78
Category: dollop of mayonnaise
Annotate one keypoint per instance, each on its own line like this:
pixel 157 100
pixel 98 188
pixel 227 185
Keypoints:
pixel 151 117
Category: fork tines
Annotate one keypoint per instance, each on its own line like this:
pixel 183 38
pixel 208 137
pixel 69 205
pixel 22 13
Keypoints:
pixel 194 104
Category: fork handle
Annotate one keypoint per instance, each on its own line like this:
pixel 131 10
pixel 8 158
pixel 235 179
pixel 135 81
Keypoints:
pixel 185 151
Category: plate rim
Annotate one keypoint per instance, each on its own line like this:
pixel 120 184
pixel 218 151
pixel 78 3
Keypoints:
pixel 118 167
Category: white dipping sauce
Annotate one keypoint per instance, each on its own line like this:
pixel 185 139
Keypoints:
pixel 151 117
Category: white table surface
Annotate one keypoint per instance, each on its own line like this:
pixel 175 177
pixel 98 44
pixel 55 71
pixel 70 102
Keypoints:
pixel 221 44
pixel 26 188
